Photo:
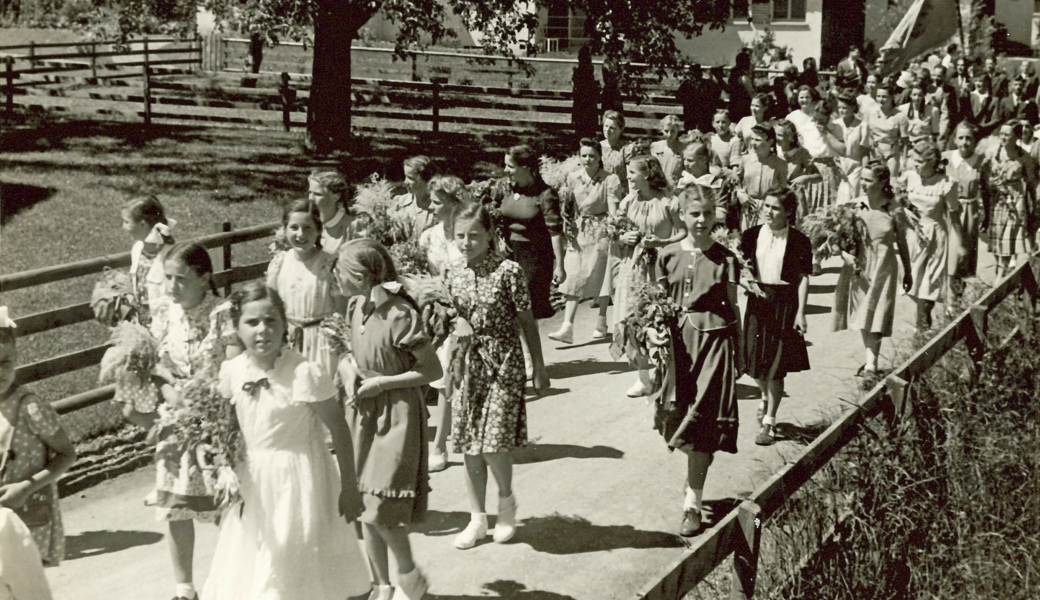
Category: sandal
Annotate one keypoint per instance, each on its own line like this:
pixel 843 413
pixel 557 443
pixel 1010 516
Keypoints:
pixel 766 437
pixel 761 413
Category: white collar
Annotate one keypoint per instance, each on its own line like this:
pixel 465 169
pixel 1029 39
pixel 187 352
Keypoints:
pixel 342 212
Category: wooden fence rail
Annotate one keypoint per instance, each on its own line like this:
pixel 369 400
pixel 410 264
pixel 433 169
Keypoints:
pixel 739 532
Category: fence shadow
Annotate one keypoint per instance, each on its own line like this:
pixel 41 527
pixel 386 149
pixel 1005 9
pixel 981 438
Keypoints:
pixel 95 543
pixel 585 366
pixel 16 197
pixel 537 453
pixel 504 588
pixel 562 534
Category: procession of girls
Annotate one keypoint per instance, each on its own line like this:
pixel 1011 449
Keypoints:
pixel 707 213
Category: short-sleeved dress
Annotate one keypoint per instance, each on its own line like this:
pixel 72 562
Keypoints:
pixel 726 151
pixel 887 132
pixel 1009 197
pixel 36 420
pixel 929 237
pixel 757 178
pixel 671 161
pixel 868 302
pixel 632 266
pixel 414 219
pixel 697 410
pixel 588 250
pixel 488 414
pixel 191 343
pixel 532 216
pixel 970 174
pixel 615 162
pixel 310 291
pixel 287 539
pixel 147 277
pixel 389 430
pixel 769 322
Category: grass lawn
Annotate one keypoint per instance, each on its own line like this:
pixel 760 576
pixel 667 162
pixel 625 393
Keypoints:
pixel 65 182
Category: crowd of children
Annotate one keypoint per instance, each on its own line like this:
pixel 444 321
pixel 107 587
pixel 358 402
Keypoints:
pixel 696 215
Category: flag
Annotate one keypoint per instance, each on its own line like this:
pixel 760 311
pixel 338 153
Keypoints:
pixel 928 24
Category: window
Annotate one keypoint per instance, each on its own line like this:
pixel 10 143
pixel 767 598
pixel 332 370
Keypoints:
pixel 788 10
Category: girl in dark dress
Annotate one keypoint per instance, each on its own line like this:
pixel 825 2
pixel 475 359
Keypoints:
pixel 697 409
pixel 780 258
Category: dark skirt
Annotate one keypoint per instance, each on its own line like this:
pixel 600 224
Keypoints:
pixel 699 411
pixel 769 329
pixel 536 260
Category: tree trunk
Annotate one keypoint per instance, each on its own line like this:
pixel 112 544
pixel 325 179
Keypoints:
pixel 336 25
pixel 256 51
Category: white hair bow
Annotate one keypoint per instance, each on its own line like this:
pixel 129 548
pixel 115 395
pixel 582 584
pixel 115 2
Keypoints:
pixel 5 320
pixel 159 232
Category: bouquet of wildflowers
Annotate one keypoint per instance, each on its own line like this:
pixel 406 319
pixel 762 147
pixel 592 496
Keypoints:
pixel 731 241
pixel 555 173
pixel 438 312
pixel 204 425
pixel 279 243
pixel 617 225
pixel 836 229
pixel 129 363
pixel 409 258
pixel 112 299
pixel 654 311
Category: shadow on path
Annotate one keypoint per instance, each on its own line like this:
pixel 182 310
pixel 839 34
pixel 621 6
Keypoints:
pixel 438 523
pixel 95 543
pixel 803 434
pixel 536 453
pixel 560 534
pixel 585 366
pixel 812 309
pixel 503 588
pixel 821 289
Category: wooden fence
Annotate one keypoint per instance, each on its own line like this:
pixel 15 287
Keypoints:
pixel 224 277
pixel 739 532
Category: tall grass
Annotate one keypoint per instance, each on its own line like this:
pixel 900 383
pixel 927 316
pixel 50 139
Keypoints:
pixel 944 503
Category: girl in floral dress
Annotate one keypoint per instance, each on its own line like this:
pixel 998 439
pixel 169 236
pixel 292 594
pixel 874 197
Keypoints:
pixel 145 220
pixel 697 409
pixel 614 152
pixel 935 215
pixel 195 335
pixel 489 419
pixel 651 208
pixel 303 277
pixel 592 194
pixel 865 295
pixel 391 361
pixel 35 450
pixel 1011 195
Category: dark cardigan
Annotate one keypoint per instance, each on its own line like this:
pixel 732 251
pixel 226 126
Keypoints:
pixel 797 257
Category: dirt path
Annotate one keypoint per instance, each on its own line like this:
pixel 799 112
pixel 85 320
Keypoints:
pixel 600 496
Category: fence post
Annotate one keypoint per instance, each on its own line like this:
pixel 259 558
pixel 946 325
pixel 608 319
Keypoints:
pixel 415 71
pixel 288 100
pixel 10 84
pixel 32 54
pixel 147 86
pixel 198 48
pixel 745 554
pixel 436 106
pixel 93 61
pixel 226 259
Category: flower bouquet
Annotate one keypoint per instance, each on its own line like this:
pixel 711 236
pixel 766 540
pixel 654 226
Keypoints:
pixel 336 330
pixel 129 363
pixel 1007 182
pixel 555 173
pixel 654 311
pixel 617 225
pixel 279 243
pixel 204 425
pixel 730 240
pixel 112 299
pixel 438 312
pixel 409 258
pixel 836 229
pixel 372 201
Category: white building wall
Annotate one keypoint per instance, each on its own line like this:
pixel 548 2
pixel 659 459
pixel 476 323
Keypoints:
pixel 720 47
pixel 1017 17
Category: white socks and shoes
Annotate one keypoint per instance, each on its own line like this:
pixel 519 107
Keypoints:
pixel 438 461
pixel 505 524
pixel 473 533
pixel 411 585
pixel 381 592
pixel 565 335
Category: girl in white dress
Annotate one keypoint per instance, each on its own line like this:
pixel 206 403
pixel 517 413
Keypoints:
pixel 303 277
pixel 290 538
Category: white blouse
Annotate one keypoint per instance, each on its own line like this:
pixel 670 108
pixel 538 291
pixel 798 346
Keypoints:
pixel 769 254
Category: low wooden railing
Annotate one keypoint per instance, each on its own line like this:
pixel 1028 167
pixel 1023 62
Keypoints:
pixel 223 278
pixel 739 532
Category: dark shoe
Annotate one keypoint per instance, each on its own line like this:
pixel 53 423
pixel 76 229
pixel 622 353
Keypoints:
pixel 691 523
pixel 766 437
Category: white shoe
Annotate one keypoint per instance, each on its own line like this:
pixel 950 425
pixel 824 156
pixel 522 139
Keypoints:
pixel 637 390
pixel 411 585
pixel 438 461
pixel 381 592
pixel 600 334
pixel 505 523
pixel 473 533
pixel 565 335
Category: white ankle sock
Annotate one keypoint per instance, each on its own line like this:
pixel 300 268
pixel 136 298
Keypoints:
pixel 478 518
pixel 767 420
pixel 693 499
pixel 185 590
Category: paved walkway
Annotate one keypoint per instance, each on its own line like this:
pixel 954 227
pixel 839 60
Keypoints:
pixel 600 496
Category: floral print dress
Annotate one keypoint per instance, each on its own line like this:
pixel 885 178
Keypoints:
pixel 310 292
pixel 27 430
pixel 488 414
pixel 191 343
